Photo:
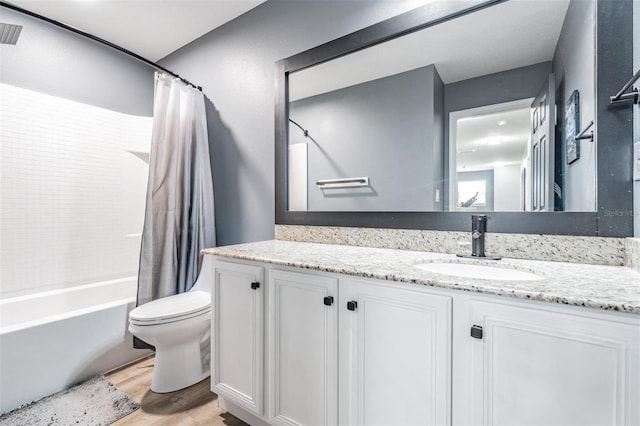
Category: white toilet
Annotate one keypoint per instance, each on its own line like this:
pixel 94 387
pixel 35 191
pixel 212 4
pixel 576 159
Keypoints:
pixel 180 328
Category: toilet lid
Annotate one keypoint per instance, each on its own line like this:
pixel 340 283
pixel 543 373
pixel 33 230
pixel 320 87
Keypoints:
pixel 172 307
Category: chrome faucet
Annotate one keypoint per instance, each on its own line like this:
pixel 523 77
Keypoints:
pixel 478 230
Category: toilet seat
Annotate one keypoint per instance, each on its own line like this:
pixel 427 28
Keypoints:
pixel 171 309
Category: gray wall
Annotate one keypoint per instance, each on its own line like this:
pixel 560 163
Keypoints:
pixel 54 61
pixel 383 129
pixel 506 86
pixel 573 66
pixel 437 123
pixel 235 66
pixel 636 114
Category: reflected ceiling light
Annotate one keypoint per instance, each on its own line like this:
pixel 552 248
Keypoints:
pixel 502 122
pixel 494 141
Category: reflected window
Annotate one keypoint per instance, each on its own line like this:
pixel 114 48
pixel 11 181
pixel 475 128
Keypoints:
pixel 472 193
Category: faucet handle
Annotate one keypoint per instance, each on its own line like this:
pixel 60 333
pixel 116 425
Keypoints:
pixel 478 224
pixel 478 217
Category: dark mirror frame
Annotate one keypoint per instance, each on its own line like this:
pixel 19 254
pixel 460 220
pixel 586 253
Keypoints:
pixel 614 215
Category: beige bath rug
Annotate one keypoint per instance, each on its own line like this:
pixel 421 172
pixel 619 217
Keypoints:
pixel 92 403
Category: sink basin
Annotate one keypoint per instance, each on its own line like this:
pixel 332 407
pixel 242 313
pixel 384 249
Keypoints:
pixel 483 272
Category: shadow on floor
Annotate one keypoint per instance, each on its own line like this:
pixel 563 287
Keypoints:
pixel 178 401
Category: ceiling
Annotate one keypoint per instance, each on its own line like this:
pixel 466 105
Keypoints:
pixel 488 141
pixel 501 37
pixel 151 28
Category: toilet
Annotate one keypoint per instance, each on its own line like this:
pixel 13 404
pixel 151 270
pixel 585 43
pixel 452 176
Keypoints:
pixel 179 327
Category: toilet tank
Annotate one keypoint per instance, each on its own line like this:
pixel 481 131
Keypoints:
pixel 203 282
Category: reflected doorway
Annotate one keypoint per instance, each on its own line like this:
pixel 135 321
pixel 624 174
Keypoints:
pixel 489 157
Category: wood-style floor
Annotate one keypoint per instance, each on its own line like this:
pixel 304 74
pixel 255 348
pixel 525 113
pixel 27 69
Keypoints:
pixel 196 405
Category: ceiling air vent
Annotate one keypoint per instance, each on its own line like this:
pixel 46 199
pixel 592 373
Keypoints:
pixel 9 33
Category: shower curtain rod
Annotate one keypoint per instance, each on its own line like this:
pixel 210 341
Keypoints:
pixel 99 40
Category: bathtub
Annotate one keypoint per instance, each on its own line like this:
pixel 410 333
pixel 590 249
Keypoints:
pixel 52 340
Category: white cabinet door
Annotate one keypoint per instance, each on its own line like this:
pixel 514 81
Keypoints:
pixel 395 349
pixel 237 334
pixel 304 353
pixel 536 366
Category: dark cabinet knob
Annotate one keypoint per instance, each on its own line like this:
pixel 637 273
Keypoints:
pixel 352 305
pixel 328 301
pixel 476 332
pixel 255 285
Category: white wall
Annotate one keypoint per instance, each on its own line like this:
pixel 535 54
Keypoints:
pixel 506 187
pixel 71 196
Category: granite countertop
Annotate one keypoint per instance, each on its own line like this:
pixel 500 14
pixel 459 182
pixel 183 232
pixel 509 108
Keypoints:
pixel 614 288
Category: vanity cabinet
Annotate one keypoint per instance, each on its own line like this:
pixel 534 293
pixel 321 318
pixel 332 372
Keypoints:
pixel 237 335
pixel 391 346
pixel 304 360
pixel 395 351
pixel 344 350
pixel 536 365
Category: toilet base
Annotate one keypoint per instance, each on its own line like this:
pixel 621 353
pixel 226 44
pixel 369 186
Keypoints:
pixel 183 351
pixel 179 367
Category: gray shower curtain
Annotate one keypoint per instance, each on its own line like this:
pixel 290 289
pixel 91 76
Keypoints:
pixel 179 217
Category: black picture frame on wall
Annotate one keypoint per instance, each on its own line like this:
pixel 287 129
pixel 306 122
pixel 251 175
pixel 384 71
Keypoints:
pixel 614 38
pixel 572 127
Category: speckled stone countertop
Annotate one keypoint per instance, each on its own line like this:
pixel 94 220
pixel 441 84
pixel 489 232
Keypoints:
pixel 612 288
pixel 633 253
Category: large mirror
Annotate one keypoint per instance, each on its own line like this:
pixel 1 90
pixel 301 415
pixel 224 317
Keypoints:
pixel 489 107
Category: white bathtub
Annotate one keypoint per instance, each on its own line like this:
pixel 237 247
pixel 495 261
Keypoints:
pixel 52 340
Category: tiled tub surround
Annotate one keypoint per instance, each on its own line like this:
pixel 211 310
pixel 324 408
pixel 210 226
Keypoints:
pixel 596 286
pixel 557 248
pixel 633 253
